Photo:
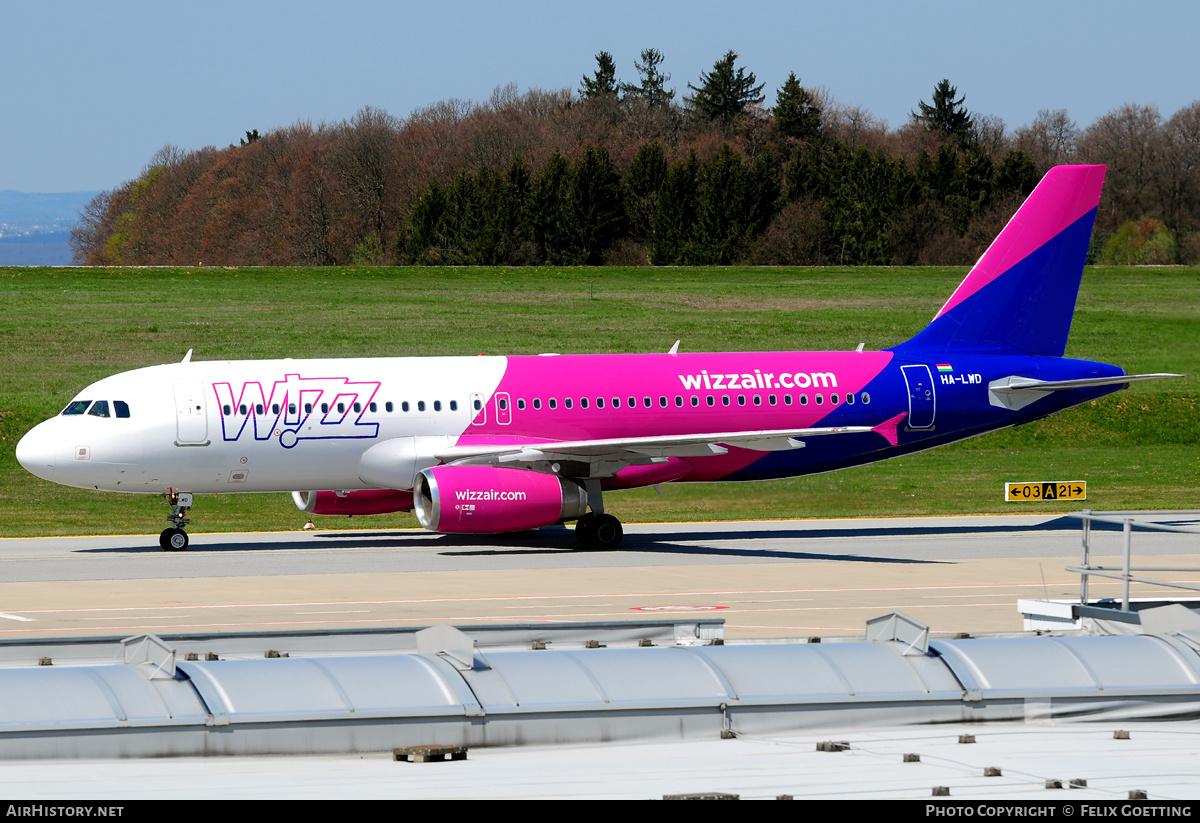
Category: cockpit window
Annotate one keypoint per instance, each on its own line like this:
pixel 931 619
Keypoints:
pixel 77 407
pixel 99 409
pixel 121 407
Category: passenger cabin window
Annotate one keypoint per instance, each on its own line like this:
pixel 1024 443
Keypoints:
pixel 258 409
pixel 291 408
pixel 358 407
pixel 388 406
pixel 324 408
pixel 520 404
pixel 420 405
pixel 226 410
pixel 454 405
pixel 866 398
pixel 849 399
pixel 437 405
pixel 308 408
pixel 567 402
pixel 274 408
pixel 503 404
pixel 552 403
pixel 537 403
pixel 242 410
pixel 341 408
pixel 404 406
pixel 99 409
pixel 77 407
pixel 374 406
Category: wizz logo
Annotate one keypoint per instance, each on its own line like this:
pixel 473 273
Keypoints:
pixel 298 408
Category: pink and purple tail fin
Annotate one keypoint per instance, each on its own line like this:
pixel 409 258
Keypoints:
pixel 1020 296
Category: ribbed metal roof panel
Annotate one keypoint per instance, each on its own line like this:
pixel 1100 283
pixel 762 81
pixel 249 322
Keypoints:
pixel 1073 665
pixel 250 691
pixel 93 697
pixel 842 671
pixel 595 679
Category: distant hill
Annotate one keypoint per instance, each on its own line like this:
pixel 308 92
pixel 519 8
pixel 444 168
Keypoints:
pixel 35 227
pixel 48 249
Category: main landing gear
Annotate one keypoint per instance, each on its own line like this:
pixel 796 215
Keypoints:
pixel 175 539
pixel 597 530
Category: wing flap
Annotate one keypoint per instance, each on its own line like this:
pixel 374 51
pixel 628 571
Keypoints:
pixel 636 450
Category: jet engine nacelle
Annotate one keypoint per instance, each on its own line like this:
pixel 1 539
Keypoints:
pixel 486 500
pixel 367 501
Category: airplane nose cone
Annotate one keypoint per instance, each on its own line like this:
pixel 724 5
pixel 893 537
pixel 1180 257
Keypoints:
pixel 35 451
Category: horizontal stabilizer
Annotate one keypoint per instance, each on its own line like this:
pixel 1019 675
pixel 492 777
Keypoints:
pixel 1018 392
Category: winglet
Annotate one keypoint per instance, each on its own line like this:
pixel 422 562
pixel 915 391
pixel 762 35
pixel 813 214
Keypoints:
pixel 675 348
pixel 187 358
pixel 888 428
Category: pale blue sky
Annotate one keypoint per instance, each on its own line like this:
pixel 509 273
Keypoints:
pixel 89 91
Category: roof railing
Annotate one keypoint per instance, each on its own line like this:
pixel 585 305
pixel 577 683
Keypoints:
pixel 1126 571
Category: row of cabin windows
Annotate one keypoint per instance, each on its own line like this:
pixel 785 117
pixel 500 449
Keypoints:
pixel 551 403
pixel 389 406
pixel 99 408
pixel 694 400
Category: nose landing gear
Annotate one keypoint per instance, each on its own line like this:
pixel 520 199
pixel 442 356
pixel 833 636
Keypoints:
pixel 175 539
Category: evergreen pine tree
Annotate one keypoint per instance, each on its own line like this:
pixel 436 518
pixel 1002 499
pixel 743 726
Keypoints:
pixel 645 180
pixel 604 83
pixel 796 111
pixel 652 88
pixel 547 209
pixel 724 94
pixel 946 115
pixel 595 210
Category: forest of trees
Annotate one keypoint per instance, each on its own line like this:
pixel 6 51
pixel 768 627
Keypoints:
pixel 624 173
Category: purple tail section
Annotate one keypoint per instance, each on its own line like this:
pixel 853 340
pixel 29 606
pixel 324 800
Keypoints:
pixel 1020 296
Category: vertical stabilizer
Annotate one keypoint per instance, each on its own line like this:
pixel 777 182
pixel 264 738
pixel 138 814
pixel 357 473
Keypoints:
pixel 1020 296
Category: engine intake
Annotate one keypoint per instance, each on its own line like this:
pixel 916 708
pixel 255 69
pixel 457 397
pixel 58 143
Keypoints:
pixel 487 500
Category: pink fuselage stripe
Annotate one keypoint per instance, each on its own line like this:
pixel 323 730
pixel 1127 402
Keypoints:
pixel 657 376
pixel 1065 194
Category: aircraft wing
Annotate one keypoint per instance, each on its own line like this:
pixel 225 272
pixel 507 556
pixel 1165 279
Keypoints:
pixel 627 451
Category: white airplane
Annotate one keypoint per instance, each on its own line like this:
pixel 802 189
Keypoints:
pixel 497 444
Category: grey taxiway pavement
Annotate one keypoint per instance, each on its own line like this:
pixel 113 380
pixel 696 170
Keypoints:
pixel 765 578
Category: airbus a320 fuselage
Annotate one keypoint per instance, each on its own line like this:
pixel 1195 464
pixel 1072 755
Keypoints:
pixel 497 444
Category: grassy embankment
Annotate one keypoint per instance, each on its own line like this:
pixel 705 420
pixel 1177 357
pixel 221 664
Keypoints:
pixel 60 329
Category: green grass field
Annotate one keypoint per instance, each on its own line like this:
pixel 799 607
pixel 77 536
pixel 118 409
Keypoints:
pixel 61 329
